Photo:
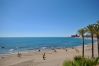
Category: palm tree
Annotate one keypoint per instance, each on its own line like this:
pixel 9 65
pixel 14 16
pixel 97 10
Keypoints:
pixel 90 29
pixel 96 30
pixel 81 33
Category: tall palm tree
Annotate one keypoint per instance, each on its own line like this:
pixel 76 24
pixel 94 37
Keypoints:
pixel 81 33
pixel 96 30
pixel 90 29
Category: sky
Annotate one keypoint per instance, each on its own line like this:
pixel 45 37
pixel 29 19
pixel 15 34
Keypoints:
pixel 46 18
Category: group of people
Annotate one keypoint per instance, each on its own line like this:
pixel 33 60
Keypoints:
pixel 20 55
pixel 44 54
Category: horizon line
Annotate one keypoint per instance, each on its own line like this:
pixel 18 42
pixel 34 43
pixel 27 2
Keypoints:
pixel 34 37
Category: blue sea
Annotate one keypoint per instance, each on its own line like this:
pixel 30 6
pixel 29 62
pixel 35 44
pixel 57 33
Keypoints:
pixel 12 44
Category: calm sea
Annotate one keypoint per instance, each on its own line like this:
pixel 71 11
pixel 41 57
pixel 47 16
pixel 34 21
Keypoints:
pixel 12 44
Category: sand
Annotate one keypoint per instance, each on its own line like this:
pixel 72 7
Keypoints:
pixel 52 58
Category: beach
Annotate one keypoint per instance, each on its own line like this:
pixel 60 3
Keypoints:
pixel 53 57
pixel 49 33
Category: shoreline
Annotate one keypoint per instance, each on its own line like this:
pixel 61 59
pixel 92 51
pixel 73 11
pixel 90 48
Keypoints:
pixel 52 58
pixel 43 49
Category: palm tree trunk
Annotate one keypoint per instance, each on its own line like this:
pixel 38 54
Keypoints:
pixel 98 44
pixel 92 46
pixel 83 47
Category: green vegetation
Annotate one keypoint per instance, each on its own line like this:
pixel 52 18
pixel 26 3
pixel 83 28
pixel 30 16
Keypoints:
pixel 81 61
pixel 90 29
pixel 93 31
pixel 96 30
pixel 81 33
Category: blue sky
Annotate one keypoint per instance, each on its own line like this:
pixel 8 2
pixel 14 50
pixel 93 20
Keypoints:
pixel 46 18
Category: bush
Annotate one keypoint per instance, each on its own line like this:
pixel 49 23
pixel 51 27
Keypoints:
pixel 67 63
pixel 77 58
pixel 80 61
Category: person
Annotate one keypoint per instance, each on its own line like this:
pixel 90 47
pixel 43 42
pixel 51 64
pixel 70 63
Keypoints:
pixel 44 56
pixel 54 50
pixel 2 57
pixel 19 54
pixel 72 47
pixel 66 50
pixel 39 50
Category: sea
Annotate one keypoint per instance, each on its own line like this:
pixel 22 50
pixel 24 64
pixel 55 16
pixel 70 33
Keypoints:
pixel 14 44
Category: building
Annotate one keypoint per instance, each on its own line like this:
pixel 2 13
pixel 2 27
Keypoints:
pixel 75 36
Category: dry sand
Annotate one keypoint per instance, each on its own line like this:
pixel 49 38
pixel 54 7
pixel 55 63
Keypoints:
pixel 52 58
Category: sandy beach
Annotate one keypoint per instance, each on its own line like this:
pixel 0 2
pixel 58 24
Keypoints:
pixel 49 32
pixel 52 58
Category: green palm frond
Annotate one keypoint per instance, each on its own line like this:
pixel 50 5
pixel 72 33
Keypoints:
pixel 96 28
pixel 82 32
pixel 90 28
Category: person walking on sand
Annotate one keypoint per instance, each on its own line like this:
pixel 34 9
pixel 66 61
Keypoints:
pixel 44 56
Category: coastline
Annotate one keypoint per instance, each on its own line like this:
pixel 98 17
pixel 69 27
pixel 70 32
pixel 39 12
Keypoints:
pixel 52 58
pixel 43 49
